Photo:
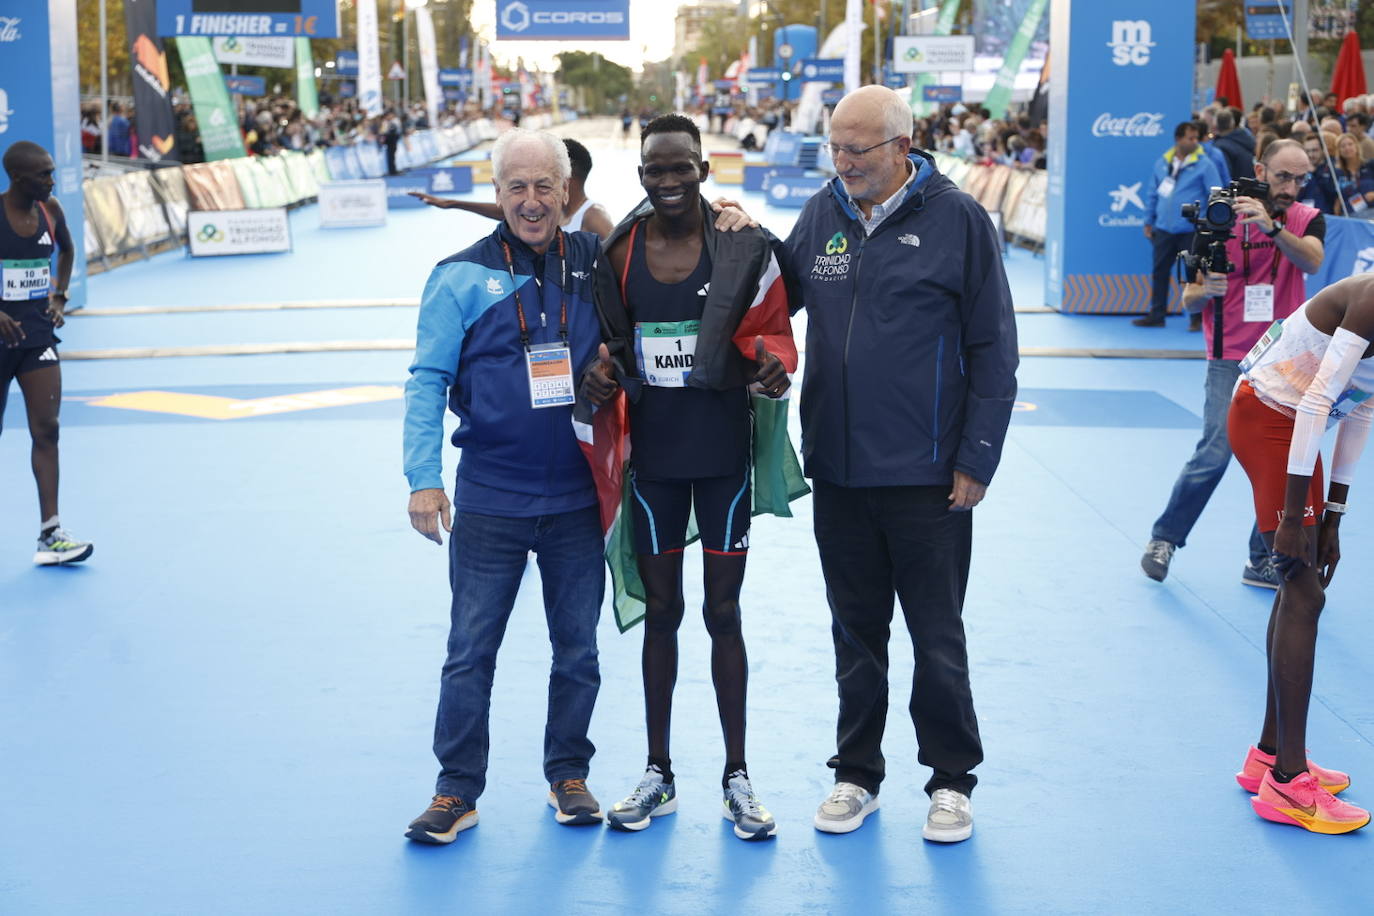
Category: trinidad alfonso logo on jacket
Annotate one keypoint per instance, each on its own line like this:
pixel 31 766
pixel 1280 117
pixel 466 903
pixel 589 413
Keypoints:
pixel 834 264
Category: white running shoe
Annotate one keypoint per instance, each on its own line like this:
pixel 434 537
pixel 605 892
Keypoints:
pixel 844 811
pixel 950 819
pixel 58 547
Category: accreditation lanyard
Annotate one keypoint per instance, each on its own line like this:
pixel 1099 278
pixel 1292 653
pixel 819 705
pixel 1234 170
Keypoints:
pixel 1259 298
pixel 548 365
pixel 562 292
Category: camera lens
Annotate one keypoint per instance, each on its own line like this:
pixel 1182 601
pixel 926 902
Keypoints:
pixel 1220 213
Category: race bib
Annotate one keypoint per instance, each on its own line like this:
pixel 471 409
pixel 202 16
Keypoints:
pixel 1166 187
pixel 550 372
pixel 25 280
pixel 1261 346
pixel 666 351
pixel 1259 302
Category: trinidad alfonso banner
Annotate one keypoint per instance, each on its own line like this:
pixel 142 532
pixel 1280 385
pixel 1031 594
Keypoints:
pixel 1123 77
pixel 219 130
pixel 153 122
pixel 39 103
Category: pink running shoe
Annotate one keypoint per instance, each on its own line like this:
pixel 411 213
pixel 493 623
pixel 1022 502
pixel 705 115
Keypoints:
pixel 1304 803
pixel 1257 763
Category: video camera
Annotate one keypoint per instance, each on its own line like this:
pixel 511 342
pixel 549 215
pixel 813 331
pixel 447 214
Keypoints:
pixel 1213 222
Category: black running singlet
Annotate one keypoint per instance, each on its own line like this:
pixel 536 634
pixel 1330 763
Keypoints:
pixel 27 275
pixel 677 432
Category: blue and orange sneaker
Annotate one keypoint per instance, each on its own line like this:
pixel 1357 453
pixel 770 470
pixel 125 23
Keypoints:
pixel 1257 763
pixel 1304 803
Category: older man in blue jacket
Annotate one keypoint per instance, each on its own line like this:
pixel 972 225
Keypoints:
pixel 909 384
pixel 1182 175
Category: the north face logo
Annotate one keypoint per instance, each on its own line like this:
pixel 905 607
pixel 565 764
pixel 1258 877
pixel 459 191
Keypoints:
pixel 910 239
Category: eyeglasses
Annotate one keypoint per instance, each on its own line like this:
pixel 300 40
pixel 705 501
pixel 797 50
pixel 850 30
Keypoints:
pixel 854 153
pixel 1282 178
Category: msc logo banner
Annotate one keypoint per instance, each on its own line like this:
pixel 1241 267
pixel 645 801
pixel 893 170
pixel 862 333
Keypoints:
pixel 1130 42
pixel 556 20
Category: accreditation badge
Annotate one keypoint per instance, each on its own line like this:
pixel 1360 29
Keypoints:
pixel 550 372
pixel 1166 187
pixel 25 280
pixel 1259 302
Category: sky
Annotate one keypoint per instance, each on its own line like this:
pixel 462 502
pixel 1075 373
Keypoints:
pixel 651 37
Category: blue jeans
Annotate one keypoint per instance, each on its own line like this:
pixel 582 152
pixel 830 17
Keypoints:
pixel 487 557
pixel 1202 473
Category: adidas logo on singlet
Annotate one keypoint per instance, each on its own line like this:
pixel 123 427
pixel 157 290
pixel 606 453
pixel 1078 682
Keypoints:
pixel 46 239
pixel 704 289
pixel 48 355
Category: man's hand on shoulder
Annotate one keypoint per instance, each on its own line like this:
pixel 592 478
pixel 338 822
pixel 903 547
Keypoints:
pixel 730 216
pixel 425 505
pixel 967 493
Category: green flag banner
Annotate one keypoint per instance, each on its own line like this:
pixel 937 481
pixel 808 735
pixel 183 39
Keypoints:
pixel 306 97
pixel 1000 94
pixel 219 129
pixel 944 24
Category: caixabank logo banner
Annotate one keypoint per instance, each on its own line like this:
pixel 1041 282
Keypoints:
pixel 554 20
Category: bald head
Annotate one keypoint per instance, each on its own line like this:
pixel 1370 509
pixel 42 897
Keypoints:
pixel 876 105
pixel 24 156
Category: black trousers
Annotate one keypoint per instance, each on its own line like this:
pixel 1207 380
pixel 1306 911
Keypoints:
pixel 1167 246
pixel 877 542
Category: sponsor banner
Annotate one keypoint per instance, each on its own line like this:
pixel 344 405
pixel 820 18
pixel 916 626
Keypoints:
pixel 398 188
pixel 760 76
pixel 893 79
pixel 832 96
pixel 448 179
pixel 530 20
pixel 307 97
pixel 39 99
pixel 1000 95
pixel 246 85
pixel 456 76
pixel 724 85
pixel 154 124
pixel 793 192
pixel 822 70
pixel 343 163
pixel 1268 19
pixel 783 147
pixel 939 94
pixel 932 53
pixel 213 233
pixel 1349 247
pixel 1122 80
pixel 247 18
pixel 352 204
pixel 429 63
pixel 219 129
pixel 944 24
pixel 757 177
pixel 254 52
pixel 346 63
pixel 369 60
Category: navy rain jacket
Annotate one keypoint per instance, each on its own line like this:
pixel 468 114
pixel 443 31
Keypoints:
pixel 911 341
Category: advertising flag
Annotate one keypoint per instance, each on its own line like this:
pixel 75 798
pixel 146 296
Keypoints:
pixel 219 129
pixel 429 63
pixel 307 97
pixel 1000 94
pixel 944 24
pixel 369 60
pixel 153 122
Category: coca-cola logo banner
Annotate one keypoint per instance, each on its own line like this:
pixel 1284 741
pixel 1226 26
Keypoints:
pixel 1121 81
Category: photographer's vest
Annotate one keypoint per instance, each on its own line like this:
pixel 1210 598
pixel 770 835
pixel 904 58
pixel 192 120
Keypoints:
pixel 1266 264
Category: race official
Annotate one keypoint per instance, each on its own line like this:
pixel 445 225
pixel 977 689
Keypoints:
pixel 1276 241
pixel 506 328
pixel 908 390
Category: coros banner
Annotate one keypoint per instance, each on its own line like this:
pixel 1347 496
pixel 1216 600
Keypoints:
pixel 1122 80
pixel 535 20
pixel 352 204
pixel 220 232
pixel 255 51
pixel 932 53
pixel 39 100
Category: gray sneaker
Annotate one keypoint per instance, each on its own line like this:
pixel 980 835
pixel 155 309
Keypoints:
pixel 1262 576
pixel 1158 553
pixel 950 819
pixel 844 811
pixel 741 805
pixel 651 798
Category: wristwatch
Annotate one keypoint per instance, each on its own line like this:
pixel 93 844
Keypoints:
pixel 1275 231
pixel 60 292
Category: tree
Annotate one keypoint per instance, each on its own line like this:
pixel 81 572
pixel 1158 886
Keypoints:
pixel 600 81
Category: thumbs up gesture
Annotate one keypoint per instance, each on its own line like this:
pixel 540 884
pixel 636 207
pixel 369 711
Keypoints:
pixel 599 384
pixel 772 378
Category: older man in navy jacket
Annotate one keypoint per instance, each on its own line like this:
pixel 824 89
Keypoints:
pixel 909 384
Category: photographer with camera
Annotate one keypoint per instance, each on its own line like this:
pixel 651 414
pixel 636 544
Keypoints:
pixel 1254 241
pixel 1184 173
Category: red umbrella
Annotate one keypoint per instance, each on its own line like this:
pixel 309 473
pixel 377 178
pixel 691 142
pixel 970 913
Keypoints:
pixel 1348 79
pixel 1228 82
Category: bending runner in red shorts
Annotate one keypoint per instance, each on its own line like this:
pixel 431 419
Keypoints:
pixel 1306 374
